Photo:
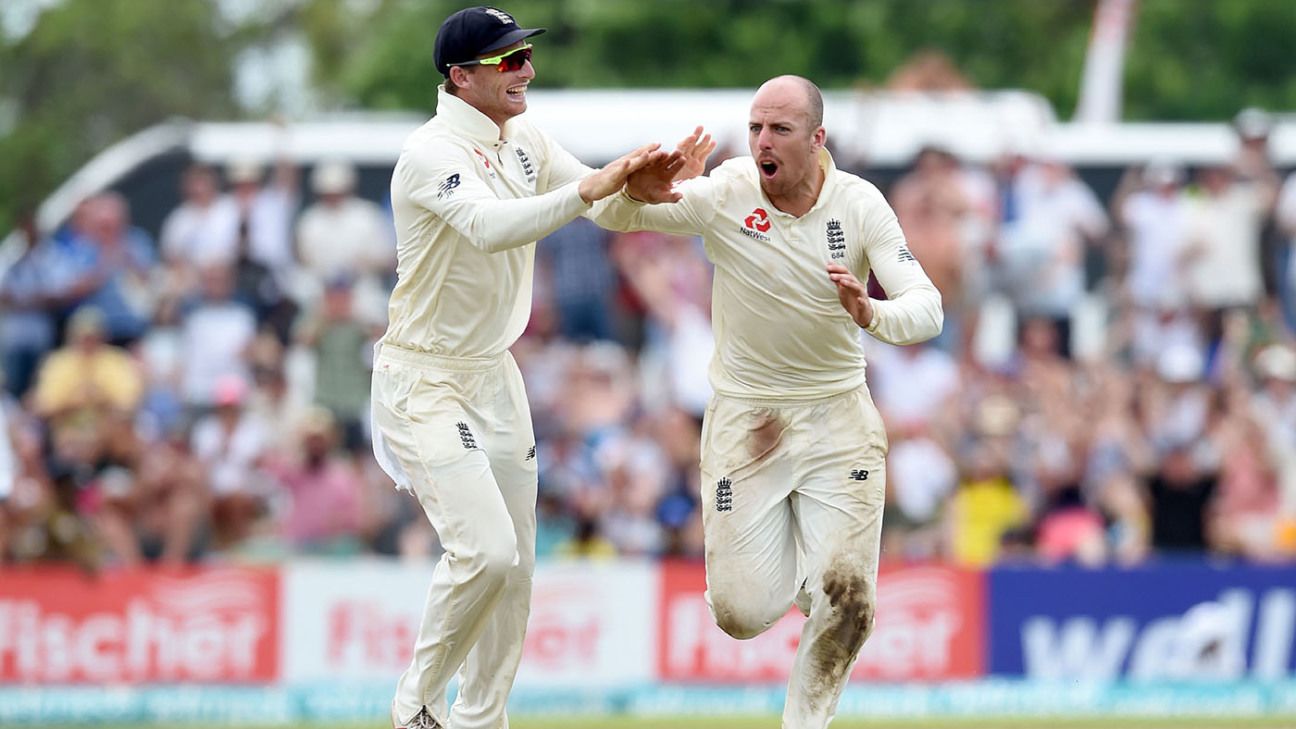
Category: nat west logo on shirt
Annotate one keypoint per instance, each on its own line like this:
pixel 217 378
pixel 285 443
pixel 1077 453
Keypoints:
pixel 836 240
pixel 485 161
pixel 756 224
pixel 527 167
pixel 447 186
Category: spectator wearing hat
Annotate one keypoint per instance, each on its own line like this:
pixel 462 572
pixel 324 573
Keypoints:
pixel 343 234
pixel 87 375
pixel 325 490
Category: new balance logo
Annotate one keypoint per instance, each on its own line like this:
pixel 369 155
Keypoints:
pixel 466 436
pixel 447 186
pixel 499 15
pixel 905 255
pixel 836 240
pixel 724 495
pixel 530 456
pixel 859 474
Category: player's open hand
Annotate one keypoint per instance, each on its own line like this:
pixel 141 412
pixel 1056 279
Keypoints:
pixel 613 176
pixel 851 293
pixel 694 149
pixel 652 183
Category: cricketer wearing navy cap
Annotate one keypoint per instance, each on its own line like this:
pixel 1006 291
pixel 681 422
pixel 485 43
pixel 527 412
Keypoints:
pixel 473 190
pixel 472 32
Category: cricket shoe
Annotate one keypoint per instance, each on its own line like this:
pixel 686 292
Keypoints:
pixel 421 720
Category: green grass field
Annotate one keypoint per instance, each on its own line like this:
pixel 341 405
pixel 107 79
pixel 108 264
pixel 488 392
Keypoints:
pixel 770 722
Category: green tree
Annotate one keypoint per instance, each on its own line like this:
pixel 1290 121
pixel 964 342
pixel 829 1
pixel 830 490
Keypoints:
pixel 1188 59
pixel 92 72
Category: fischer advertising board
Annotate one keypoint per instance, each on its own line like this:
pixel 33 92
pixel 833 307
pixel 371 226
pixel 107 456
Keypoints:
pixel 203 626
pixel 929 627
pixel 1174 621
pixel 591 624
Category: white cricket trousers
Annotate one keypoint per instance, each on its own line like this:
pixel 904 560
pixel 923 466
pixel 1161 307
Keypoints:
pixel 457 432
pixel 792 498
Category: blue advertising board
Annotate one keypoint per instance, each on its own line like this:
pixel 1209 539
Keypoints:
pixel 1162 622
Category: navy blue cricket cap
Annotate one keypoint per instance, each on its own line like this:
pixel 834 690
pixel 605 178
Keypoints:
pixel 473 31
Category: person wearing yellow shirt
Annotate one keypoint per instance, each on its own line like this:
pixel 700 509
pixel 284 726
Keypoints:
pixel 87 374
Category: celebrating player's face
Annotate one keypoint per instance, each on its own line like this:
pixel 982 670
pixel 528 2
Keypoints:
pixel 497 91
pixel 784 145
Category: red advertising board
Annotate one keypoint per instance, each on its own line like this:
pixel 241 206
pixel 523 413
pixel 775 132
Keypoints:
pixel 930 626
pixel 214 625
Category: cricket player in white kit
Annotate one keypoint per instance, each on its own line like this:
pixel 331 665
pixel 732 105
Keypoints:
pixel 793 449
pixel 473 190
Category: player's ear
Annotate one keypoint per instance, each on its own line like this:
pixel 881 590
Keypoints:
pixel 819 137
pixel 460 76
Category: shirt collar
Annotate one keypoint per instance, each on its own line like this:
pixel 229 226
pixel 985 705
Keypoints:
pixel 464 118
pixel 830 173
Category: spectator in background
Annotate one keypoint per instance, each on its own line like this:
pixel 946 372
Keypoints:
pixel 1050 219
pixel 1285 216
pixel 342 347
pixel 1154 215
pixel 202 230
pixel 325 510
pixel 1182 491
pixel 9 474
pixel 27 298
pixel 931 204
pixel 345 235
pixel 1224 229
pixel 216 331
pixel 670 277
pixel 582 280
pixel 231 444
pixel 1254 165
pixel 148 499
pixel 86 378
pixel 264 213
pixel 263 251
pixel 123 261
pixel 1273 407
pixel 986 504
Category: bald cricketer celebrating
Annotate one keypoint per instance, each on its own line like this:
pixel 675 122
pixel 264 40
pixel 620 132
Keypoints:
pixel 793 449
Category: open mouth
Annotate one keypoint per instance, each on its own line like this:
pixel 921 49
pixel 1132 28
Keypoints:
pixel 516 92
pixel 768 168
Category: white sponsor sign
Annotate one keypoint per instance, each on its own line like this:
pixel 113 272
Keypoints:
pixel 592 625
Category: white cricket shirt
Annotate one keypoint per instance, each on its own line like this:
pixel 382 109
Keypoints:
pixel 468 209
pixel 781 332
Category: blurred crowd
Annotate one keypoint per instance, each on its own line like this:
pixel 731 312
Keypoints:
pixel 1116 379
